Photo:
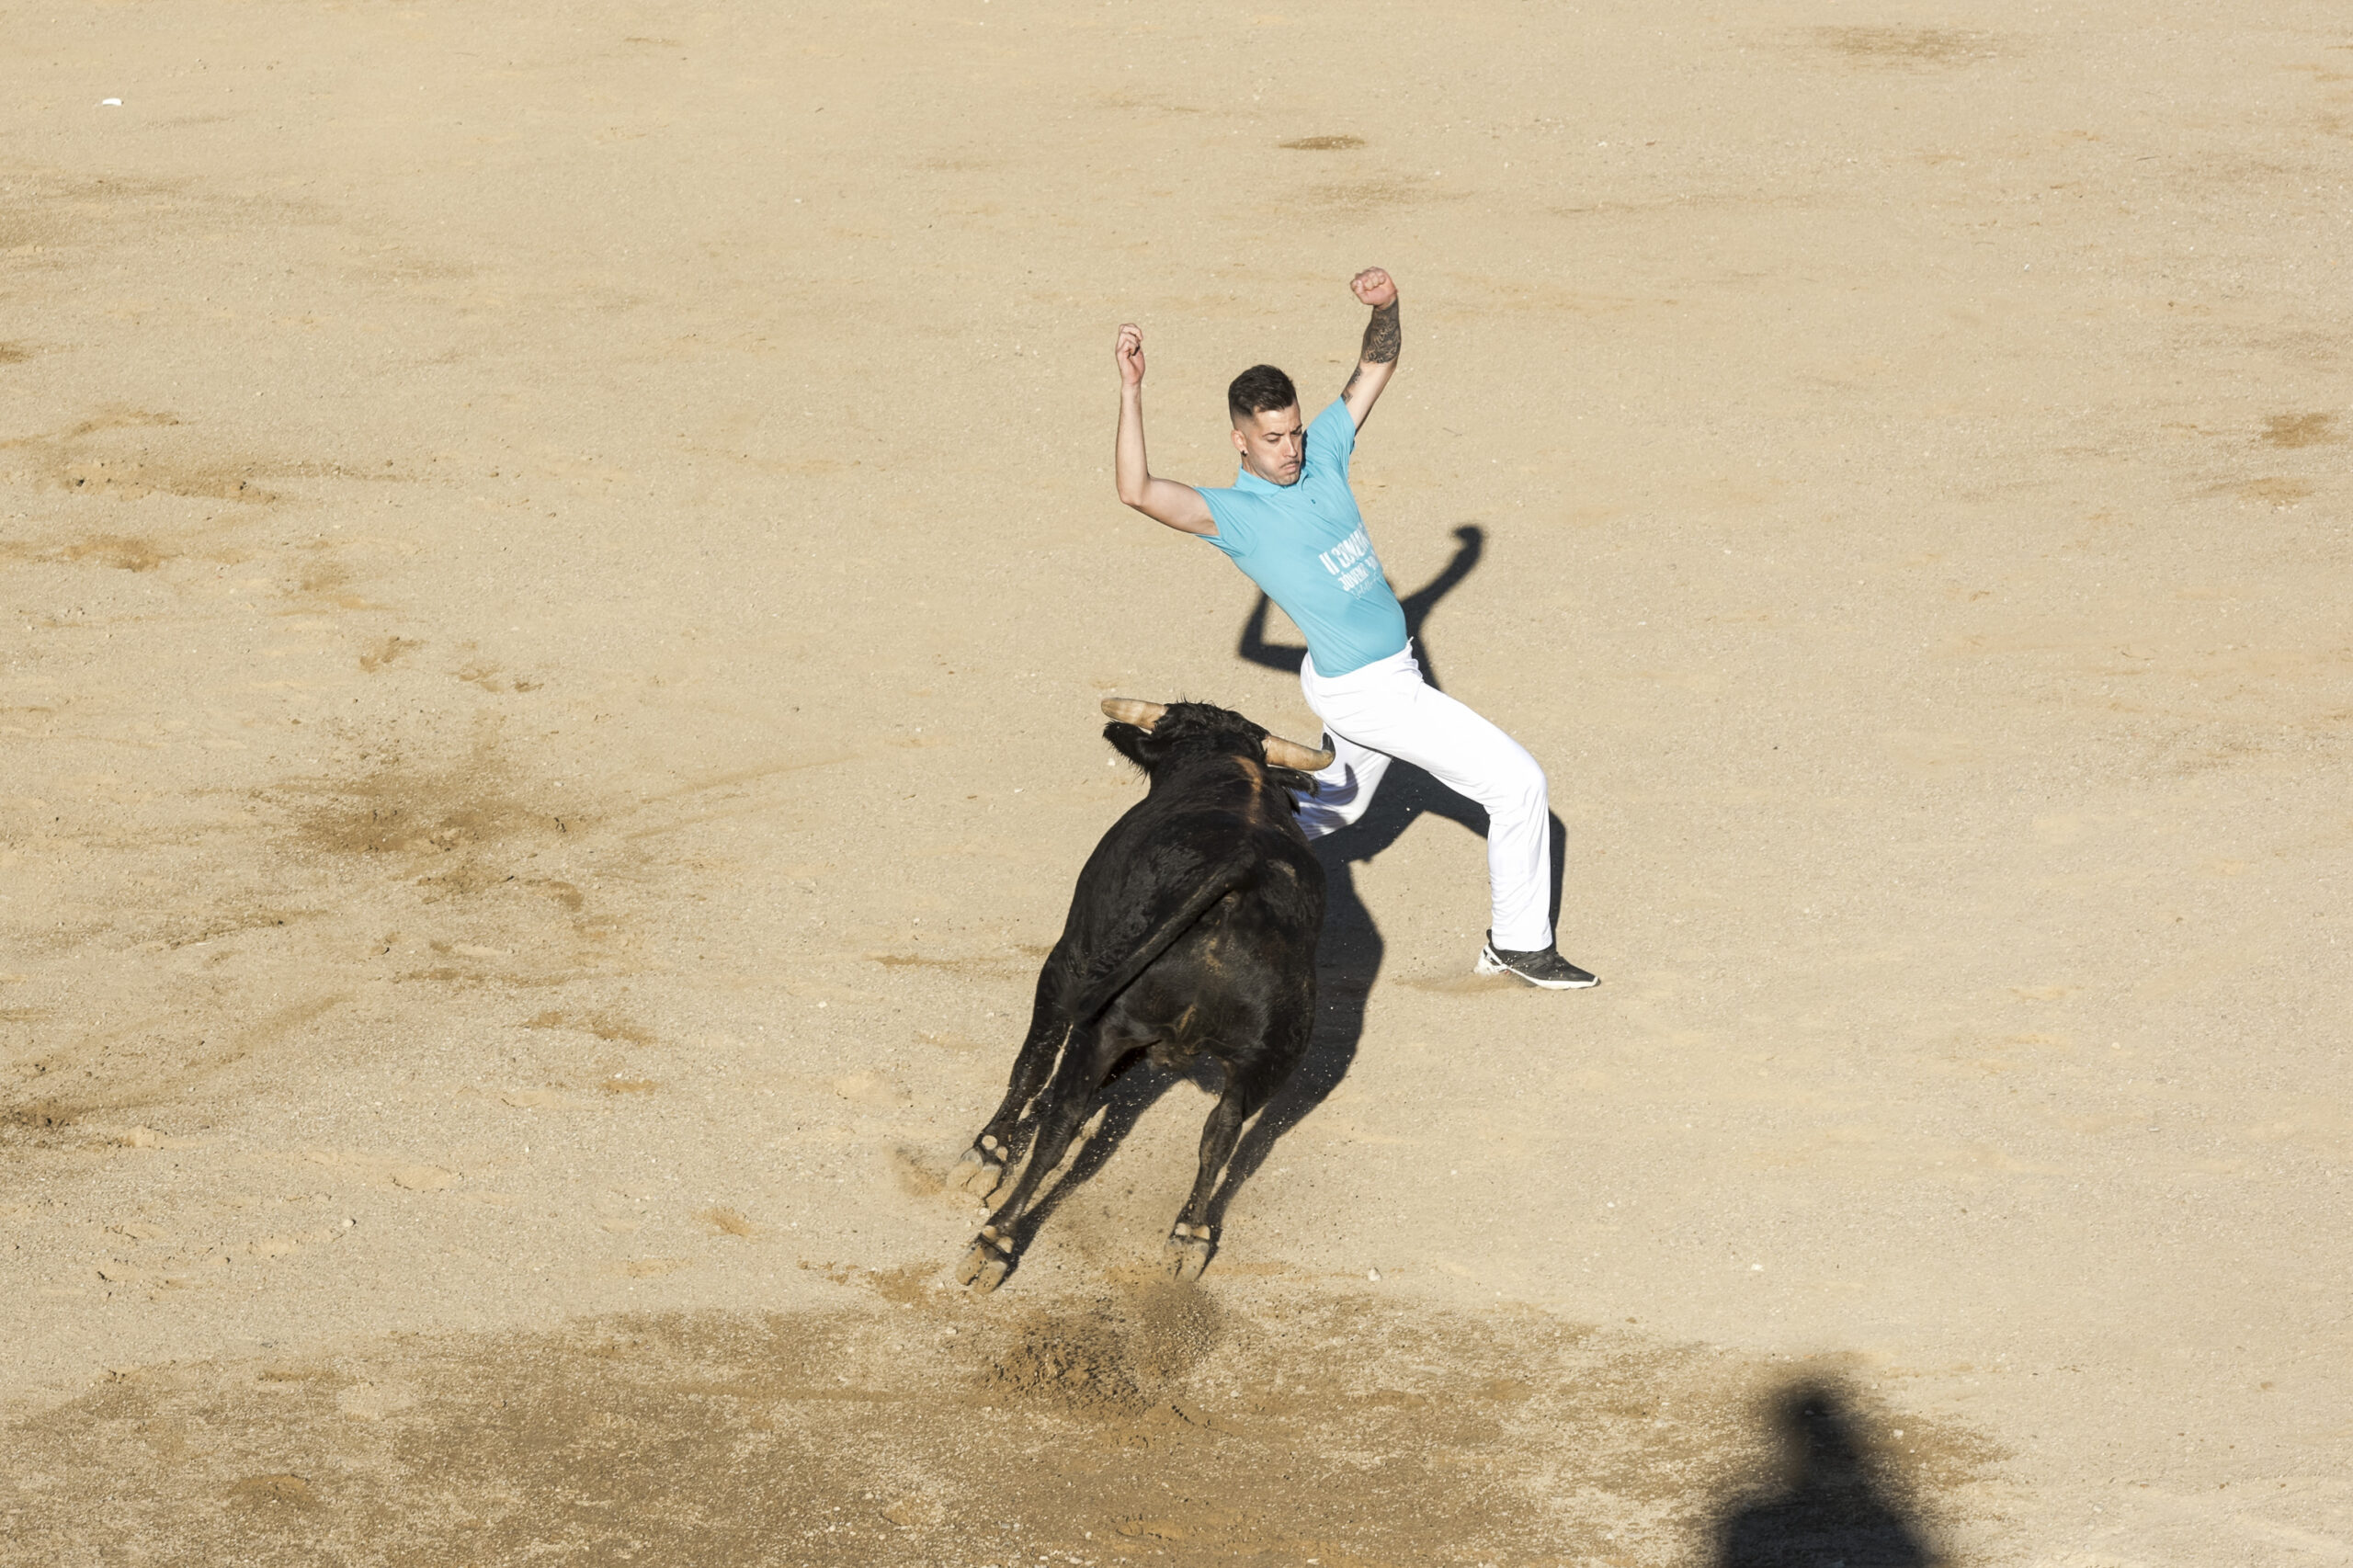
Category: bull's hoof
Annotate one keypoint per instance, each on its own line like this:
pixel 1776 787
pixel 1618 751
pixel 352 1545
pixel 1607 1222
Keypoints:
pixel 1188 1249
pixel 982 1270
pixel 975 1174
pixel 980 1169
pixel 985 1267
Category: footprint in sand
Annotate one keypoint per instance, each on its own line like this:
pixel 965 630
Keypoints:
pixel 148 1138
pixel 543 1099
pixel 651 1268
pixel 915 1176
pixel 618 1212
pixel 365 1401
pixel 275 1490
pixel 872 1090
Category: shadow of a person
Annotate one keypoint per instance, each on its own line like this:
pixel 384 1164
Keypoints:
pixel 1830 1512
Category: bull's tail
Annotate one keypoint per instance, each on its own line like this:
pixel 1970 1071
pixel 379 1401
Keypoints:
pixel 1221 880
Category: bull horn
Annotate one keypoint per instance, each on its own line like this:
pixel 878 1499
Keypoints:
pixel 1290 754
pixel 1134 711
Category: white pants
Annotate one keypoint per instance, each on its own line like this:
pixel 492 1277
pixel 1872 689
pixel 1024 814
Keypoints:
pixel 1386 710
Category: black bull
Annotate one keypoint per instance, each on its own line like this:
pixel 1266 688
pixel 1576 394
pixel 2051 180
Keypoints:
pixel 1192 933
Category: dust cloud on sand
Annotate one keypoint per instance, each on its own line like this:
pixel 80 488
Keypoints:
pixel 1147 1420
pixel 557 565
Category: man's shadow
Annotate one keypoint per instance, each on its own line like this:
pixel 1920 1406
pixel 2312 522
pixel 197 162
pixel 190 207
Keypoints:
pixel 1350 956
pixel 1830 1507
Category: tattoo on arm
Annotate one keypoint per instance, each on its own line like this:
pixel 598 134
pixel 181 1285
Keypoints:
pixel 1354 377
pixel 1383 335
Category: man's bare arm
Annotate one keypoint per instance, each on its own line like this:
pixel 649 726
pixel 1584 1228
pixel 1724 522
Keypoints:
pixel 1384 338
pixel 1165 501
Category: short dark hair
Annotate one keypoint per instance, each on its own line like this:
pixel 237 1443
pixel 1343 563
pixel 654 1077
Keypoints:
pixel 1257 389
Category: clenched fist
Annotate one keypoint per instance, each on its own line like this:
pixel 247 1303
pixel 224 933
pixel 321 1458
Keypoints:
pixel 1374 287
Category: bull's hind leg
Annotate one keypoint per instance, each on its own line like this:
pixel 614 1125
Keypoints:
pixel 1190 1242
pixel 1087 1059
pixel 1252 1076
pixel 983 1166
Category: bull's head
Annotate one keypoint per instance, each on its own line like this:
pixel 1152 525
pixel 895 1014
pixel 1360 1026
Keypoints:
pixel 1188 717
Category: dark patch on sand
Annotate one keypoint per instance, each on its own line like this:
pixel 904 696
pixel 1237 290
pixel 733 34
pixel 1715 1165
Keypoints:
pixel 2299 429
pixel 1150 1418
pixel 1908 46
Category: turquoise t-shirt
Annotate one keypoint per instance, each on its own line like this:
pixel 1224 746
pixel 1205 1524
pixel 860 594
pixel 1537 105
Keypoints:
pixel 1304 543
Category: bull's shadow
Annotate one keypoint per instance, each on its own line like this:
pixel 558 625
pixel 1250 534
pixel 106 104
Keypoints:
pixel 1350 958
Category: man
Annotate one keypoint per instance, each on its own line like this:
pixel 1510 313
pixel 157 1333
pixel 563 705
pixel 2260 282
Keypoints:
pixel 1292 524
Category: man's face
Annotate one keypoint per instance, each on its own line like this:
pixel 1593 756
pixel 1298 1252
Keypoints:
pixel 1272 444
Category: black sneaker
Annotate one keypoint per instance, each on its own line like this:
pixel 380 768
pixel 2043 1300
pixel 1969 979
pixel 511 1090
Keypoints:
pixel 1546 968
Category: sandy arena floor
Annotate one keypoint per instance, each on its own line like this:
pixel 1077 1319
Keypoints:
pixel 559 561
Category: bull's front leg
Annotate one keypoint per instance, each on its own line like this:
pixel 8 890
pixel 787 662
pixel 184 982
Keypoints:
pixel 983 1167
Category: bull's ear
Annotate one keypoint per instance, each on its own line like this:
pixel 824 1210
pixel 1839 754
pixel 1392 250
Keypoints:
pixel 1136 745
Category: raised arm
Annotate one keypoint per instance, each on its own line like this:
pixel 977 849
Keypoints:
pixel 1383 338
pixel 1178 507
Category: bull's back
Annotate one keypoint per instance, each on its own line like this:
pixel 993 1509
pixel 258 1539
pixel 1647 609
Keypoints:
pixel 1146 854
pixel 1160 852
pixel 1244 965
